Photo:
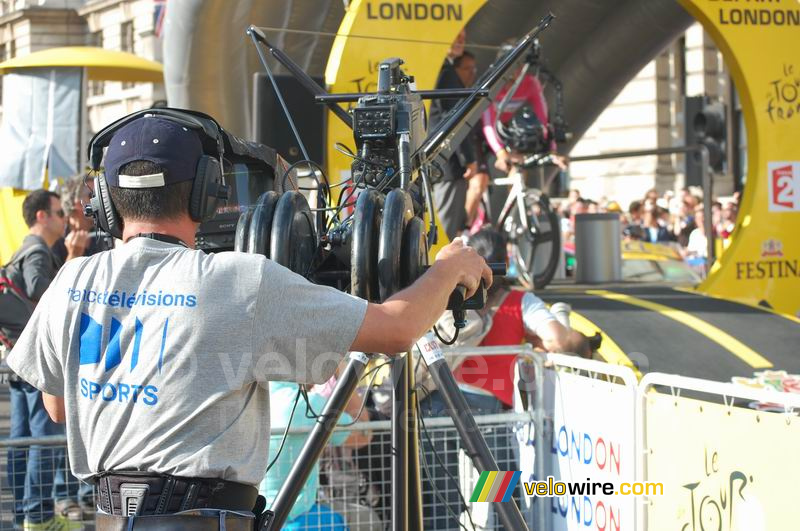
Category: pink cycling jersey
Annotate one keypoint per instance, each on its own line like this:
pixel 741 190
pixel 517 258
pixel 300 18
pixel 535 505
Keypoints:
pixel 530 92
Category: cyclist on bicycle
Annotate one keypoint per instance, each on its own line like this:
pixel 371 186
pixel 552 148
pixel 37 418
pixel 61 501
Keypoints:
pixel 522 126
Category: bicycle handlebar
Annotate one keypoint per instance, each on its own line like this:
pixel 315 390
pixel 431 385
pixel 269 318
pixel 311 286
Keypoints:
pixel 538 159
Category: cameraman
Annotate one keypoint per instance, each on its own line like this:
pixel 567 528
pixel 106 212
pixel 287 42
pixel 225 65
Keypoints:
pixel 158 356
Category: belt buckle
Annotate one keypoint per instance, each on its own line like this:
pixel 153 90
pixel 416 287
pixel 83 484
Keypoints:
pixel 132 497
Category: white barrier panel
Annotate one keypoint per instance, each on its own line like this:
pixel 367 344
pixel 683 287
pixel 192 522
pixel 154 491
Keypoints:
pixel 722 467
pixel 592 436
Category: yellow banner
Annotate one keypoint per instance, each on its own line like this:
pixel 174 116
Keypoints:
pixel 420 33
pixel 759 41
pixel 723 468
pixel 12 226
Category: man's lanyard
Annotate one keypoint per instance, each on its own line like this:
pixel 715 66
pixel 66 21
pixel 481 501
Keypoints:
pixel 166 238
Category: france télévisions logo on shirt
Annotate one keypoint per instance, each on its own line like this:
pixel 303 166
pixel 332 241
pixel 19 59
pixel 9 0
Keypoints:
pixel 784 186
pixel 91 352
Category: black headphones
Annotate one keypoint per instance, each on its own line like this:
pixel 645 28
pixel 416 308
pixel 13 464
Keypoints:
pixel 208 186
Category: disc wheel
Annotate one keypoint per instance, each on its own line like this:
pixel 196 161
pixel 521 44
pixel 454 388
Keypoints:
pixel 259 231
pixel 364 248
pixel 293 242
pixel 537 251
pixel 414 252
pixel 397 211
pixel 242 231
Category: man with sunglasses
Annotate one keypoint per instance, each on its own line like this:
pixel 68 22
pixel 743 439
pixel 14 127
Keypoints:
pixel 36 473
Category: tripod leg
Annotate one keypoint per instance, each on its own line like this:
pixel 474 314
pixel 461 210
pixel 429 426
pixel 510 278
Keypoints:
pixel 400 443
pixel 474 444
pixel 414 478
pixel 406 481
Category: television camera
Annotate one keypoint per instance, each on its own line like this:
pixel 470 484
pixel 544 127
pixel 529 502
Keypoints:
pixel 378 249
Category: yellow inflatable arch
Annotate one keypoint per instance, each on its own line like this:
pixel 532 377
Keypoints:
pixel 760 43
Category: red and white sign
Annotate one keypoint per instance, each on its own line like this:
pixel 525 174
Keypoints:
pixel 784 186
pixel 592 440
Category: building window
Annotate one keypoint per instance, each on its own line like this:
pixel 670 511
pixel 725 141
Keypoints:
pixel 126 44
pixel 96 88
pixel 96 39
pixel 3 57
pixel 126 36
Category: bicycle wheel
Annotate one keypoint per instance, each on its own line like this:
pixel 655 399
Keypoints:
pixel 536 251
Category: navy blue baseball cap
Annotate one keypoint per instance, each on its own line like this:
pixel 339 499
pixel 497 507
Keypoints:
pixel 175 148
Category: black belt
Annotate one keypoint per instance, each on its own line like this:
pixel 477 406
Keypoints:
pixel 137 493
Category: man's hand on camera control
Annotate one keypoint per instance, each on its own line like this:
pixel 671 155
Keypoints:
pixel 397 323
pixel 468 266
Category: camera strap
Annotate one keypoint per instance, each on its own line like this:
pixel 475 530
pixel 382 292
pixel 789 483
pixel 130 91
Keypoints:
pixel 166 238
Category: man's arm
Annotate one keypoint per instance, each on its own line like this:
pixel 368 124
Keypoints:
pixel 397 323
pixel 38 272
pixel 55 407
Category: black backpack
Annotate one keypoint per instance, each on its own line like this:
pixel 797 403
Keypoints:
pixel 15 306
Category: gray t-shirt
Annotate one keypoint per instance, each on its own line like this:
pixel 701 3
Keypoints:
pixel 163 355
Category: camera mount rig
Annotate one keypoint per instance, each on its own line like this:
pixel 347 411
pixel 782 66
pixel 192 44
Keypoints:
pixel 379 249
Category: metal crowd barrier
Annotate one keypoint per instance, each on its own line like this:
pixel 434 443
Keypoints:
pixel 355 483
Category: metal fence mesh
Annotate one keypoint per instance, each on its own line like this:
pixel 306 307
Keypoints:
pixel 353 490
pixel 36 485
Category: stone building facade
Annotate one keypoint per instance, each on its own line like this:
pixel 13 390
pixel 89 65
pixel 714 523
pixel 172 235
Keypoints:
pixel 28 26
pixel 649 113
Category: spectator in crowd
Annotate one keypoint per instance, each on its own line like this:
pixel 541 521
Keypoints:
pixel 467 70
pixel 635 213
pixel 634 230
pixel 37 474
pixel 580 206
pixel 288 409
pixel 450 190
pixel 716 214
pixel 683 223
pixel 697 246
pixel 565 208
pixel 75 194
pixel 653 230
pixel 668 200
pixel 651 197
pixel 727 220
